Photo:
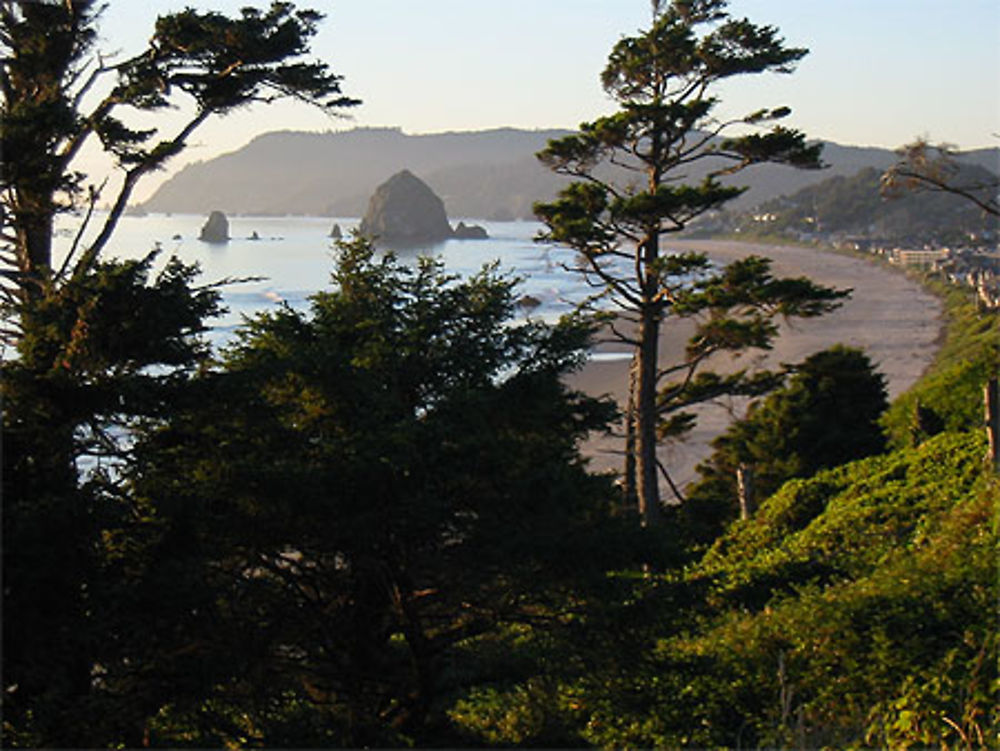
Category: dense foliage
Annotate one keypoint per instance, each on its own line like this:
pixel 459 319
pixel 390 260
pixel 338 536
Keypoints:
pixel 306 531
pixel 826 414
pixel 399 469
pixel 100 356
pixel 856 609
pixel 369 523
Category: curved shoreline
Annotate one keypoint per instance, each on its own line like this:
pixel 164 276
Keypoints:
pixel 889 316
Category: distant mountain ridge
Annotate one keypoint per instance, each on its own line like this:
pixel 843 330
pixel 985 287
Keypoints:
pixel 490 174
pixel 483 174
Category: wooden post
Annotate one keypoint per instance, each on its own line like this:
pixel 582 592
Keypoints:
pixel 991 394
pixel 744 487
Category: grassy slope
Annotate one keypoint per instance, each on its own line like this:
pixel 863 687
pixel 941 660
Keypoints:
pixel 859 606
pixel 874 585
pixel 952 387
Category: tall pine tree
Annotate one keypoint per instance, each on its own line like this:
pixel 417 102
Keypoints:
pixel 631 169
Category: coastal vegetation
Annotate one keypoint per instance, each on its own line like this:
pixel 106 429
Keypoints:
pixel 949 395
pixel 369 522
pixel 325 539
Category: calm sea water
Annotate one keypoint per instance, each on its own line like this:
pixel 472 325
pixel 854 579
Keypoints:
pixel 294 256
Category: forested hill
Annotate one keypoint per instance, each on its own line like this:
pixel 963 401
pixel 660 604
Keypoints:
pixel 853 206
pixel 489 174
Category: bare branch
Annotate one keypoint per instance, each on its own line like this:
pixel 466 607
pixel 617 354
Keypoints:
pixel 670 481
pixel 131 178
pixel 95 194
pixel 931 182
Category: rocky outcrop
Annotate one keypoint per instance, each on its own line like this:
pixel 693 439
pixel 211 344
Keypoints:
pixel 528 302
pixel 469 232
pixel 404 211
pixel 336 233
pixel 216 229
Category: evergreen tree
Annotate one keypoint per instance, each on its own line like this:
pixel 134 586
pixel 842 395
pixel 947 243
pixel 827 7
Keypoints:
pixel 100 356
pixel 663 81
pixel 52 73
pixel 373 485
pixel 102 349
pixel 826 415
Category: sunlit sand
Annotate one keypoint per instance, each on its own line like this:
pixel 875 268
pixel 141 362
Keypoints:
pixel 895 321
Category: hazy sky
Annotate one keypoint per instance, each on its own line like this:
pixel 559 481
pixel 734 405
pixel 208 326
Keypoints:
pixel 879 72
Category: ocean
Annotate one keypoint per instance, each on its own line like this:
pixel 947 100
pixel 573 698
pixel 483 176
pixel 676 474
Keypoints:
pixel 294 256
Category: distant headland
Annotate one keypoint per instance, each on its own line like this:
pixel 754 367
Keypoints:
pixel 489 174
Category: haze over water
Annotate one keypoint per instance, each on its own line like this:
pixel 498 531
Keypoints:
pixel 295 256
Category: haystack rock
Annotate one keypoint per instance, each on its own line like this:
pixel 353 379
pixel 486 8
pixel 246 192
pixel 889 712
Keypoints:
pixel 216 229
pixel 404 211
pixel 336 233
pixel 470 232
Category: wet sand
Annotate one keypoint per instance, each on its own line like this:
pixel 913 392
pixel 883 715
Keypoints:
pixel 888 316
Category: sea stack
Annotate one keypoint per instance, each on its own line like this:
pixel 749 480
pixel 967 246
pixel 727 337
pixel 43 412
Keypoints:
pixel 216 229
pixel 405 212
pixel 469 232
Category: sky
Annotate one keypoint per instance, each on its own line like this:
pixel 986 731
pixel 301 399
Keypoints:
pixel 879 72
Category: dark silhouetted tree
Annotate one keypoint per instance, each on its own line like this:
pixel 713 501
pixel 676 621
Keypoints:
pixel 663 81
pixel 826 415
pixel 51 106
pixel 380 480
pixel 102 349
pixel 100 356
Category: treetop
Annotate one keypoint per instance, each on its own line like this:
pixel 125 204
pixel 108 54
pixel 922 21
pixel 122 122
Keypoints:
pixel 671 61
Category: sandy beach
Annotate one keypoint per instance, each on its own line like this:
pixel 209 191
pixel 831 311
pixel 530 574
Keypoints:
pixel 888 316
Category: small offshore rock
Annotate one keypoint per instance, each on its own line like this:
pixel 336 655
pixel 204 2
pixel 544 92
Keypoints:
pixel 528 302
pixel 336 233
pixel 470 232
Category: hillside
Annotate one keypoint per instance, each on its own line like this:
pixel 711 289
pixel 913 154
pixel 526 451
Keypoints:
pixel 853 206
pixel 484 174
pixel 863 597
pixel 488 174
pixel 856 609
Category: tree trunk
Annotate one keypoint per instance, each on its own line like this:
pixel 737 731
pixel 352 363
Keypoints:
pixel 745 490
pixel 992 406
pixel 34 251
pixel 630 493
pixel 648 477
